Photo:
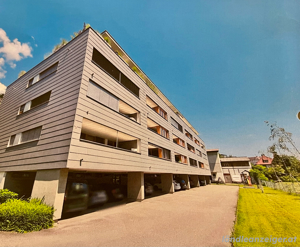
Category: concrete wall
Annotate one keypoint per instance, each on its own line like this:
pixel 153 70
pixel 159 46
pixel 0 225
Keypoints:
pixel 56 116
pixel 110 159
pixel 215 166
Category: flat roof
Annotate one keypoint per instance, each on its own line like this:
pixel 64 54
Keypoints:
pixel 231 159
pixel 212 150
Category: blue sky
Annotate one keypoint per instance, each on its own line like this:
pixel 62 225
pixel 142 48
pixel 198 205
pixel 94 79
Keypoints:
pixel 226 65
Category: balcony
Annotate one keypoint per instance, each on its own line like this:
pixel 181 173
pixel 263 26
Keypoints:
pixel 99 134
pixel 156 128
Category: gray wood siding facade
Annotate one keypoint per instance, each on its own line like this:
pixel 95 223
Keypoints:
pixel 103 158
pixel 56 117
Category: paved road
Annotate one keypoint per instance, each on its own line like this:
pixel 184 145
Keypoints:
pixel 197 217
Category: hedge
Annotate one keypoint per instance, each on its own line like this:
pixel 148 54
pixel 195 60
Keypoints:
pixel 6 194
pixel 25 215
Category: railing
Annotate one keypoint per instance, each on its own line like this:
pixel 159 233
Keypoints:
pixel 288 187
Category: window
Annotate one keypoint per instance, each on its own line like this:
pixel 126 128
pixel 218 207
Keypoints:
pixel 179 158
pixel 191 148
pixel 35 102
pixel 156 108
pixel 201 165
pixel 156 128
pixel 107 66
pixel 98 133
pixel 102 96
pixel 193 162
pixel 178 141
pixel 197 142
pixel 188 134
pixel 159 152
pixel 26 136
pixel 176 125
pixel 43 74
pixel 198 152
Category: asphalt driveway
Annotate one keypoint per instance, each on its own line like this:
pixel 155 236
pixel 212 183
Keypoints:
pixel 197 217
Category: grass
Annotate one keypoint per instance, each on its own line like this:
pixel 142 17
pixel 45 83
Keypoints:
pixel 273 213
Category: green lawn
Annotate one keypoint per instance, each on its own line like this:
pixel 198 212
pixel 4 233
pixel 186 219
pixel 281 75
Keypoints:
pixel 273 213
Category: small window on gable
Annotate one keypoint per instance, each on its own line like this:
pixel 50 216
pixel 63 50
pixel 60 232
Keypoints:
pixel 43 74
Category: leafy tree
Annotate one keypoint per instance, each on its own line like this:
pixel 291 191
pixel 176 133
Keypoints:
pixel 283 144
pixel 64 41
pixel 22 72
pixel 259 172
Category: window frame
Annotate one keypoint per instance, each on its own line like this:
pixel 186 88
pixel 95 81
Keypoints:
pixel 20 137
pixel 38 75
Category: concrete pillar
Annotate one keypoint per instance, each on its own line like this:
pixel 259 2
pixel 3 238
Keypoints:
pixel 208 181
pixel 167 183
pixel 51 184
pixel 135 186
pixel 195 180
pixel 187 181
pixel 2 180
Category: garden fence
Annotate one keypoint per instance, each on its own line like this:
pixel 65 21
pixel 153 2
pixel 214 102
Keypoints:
pixel 288 187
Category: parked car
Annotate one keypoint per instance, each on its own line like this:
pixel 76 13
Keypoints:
pixel 157 186
pixel 114 192
pixel 98 196
pixel 176 185
pixel 76 197
pixel 182 183
pixel 148 188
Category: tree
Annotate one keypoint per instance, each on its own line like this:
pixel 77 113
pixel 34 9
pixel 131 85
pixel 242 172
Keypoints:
pixel 259 172
pixel 64 41
pixel 22 72
pixel 284 144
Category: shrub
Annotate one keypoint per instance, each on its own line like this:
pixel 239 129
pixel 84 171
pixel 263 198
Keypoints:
pixel 6 194
pixel 25 215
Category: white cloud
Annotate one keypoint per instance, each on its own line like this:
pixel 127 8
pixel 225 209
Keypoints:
pixel 13 50
pixel 2 71
pixel 2 88
pixel 12 65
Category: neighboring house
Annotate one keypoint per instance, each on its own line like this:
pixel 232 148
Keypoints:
pixel 84 110
pixel 264 161
pixel 234 169
pixel 254 160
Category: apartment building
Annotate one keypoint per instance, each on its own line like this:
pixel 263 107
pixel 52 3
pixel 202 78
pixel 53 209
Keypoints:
pixel 88 108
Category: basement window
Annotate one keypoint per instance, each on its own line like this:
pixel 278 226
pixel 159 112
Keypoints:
pixel 101 134
pixel 35 103
pixel 43 74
